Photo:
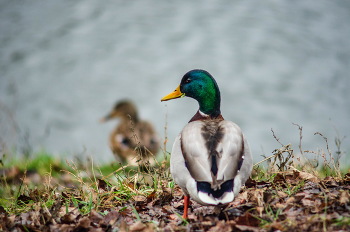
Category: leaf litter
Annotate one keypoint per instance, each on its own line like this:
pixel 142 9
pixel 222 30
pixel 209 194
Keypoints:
pixel 289 201
pixel 286 197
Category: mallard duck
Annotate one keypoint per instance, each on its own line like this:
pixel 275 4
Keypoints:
pixel 211 158
pixel 122 140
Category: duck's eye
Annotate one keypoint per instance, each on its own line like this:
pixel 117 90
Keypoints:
pixel 188 80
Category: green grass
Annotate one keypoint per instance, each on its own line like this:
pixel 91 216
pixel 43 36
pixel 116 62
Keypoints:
pixel 123 183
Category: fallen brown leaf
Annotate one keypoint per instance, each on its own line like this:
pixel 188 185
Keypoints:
pixel 330 182
pixel 83 223
pixel 308 202
pixel 250 183
pixel 278 179
pixel 248 228
pixel 137 226
pixel 221 226
pixel 151 196
pixel 299 196
pixel 140 200
pixel 344 197
pixel 192 217
pixel 248 220
pixel 260 210
pixel 276 226
pixel 290 200
pixel 112 217
pixel 307 176
pixel 257 197
pixel 173 217
pixel 282 194
pixel 243 197
pixel 69 218
pixel 268 196
pixel 280 205
pixel 95 217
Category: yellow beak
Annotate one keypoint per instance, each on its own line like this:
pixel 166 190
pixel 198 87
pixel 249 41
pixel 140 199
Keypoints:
pixel 176 94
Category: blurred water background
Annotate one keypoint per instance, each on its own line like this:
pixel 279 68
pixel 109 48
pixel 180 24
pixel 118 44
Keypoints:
pixel 63 65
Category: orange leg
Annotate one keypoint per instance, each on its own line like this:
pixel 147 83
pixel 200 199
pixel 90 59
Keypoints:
pixel 186 202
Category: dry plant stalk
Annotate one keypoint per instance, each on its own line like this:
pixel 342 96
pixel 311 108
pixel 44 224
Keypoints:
pixel 330 164
pixel 48 178
pixel 145 169
pixel 283 162
pixel 287 163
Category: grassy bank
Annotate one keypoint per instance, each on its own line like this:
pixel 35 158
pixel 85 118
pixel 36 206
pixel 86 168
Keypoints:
pixel 289 192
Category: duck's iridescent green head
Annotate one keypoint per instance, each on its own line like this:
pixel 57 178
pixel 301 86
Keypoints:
pixel 200 85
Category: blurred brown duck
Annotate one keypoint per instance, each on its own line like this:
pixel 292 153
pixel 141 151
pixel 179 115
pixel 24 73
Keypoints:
pixel 122 140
